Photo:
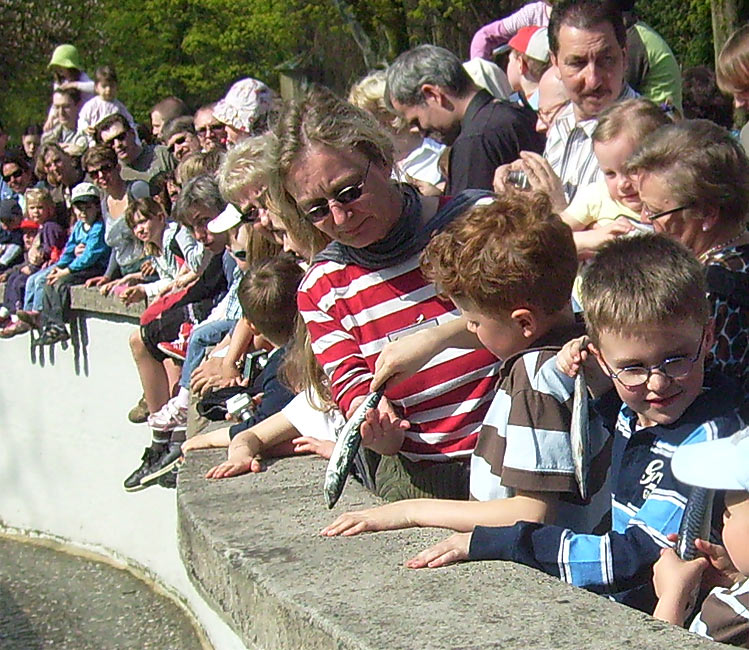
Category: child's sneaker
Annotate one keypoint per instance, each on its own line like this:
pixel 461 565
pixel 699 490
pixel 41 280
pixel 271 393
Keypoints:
pixel 53 334
pixel 177 349
pixel 169 417
pixel 19 327
pixel 33 318
pixel 132 483
pixel 170 459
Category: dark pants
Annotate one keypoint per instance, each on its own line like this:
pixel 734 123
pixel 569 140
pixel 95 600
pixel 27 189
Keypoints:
pixel 15 289
pixel 56 301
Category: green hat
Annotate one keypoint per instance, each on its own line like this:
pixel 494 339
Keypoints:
pixel 66 56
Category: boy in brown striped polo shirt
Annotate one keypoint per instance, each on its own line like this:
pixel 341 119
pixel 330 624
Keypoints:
pixel 509 266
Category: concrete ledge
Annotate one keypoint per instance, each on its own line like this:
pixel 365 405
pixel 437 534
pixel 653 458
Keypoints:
pixel 91 300
pixel 251 547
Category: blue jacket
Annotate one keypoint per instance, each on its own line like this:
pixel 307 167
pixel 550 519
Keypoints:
pixel 647 505
pixel 96 252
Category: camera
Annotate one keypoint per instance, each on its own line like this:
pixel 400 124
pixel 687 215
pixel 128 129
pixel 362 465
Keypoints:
pixel 240 406
pixel 519 179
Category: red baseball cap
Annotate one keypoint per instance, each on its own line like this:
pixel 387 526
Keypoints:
pixel 533 41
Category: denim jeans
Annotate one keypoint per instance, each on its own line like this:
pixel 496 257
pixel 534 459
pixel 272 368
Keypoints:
pixel 201 337
pixel 35 289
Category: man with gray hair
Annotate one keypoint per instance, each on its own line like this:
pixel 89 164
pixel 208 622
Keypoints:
pixel 429 87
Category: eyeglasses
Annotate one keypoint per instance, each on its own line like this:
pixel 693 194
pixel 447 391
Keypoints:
pixel 633 377
pixel 251 213
pixel 210 128
pixel 344 196
pixel 13 175
pixel 121 136
pixel 104 169
pixel 241 255
pixel 652 216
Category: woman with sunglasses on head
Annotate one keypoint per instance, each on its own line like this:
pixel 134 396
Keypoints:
pixel 693 179
pixel 365 288
pixel 102 166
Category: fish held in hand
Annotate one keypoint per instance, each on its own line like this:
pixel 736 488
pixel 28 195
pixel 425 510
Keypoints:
pixel 580 434
pixel 346 446
pixel 695 523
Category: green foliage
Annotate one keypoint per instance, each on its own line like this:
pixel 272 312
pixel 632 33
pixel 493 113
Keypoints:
pixel 687 28
pixel 196 49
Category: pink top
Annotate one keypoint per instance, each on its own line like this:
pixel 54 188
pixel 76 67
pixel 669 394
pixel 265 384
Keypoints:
pixel 491 36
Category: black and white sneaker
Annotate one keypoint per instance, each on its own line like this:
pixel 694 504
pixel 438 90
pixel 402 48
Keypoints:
pixel 169 480
pixel 150 457
pixel 171 457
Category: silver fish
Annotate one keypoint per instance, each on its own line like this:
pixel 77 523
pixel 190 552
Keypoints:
pixel 346 447
pixel 695 523
pixel 580 433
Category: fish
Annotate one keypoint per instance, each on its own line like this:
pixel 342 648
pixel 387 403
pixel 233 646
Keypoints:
pixel 346 447
pixel 580 434
pixel 695 522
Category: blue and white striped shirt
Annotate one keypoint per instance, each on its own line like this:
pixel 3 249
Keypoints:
pixel 647 505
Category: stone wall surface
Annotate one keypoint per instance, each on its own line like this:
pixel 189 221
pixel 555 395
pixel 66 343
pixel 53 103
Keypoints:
pixel 251 545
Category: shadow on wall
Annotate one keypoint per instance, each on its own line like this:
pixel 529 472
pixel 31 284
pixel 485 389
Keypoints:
pixel 43 354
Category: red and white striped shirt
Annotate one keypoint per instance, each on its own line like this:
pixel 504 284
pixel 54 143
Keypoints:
pixel 350 314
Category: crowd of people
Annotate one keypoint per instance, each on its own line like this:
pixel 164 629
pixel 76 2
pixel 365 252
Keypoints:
pixel 469 238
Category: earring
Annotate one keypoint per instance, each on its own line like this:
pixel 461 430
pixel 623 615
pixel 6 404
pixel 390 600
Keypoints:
pixel 705 227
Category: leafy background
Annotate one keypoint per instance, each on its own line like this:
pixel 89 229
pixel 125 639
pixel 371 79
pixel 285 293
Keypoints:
pixel 196 49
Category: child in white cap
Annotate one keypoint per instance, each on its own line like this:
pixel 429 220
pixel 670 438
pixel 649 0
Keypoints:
pixel 717 465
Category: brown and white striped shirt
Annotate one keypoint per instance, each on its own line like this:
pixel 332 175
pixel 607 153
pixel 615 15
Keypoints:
pixel 725 615
pixel 524 443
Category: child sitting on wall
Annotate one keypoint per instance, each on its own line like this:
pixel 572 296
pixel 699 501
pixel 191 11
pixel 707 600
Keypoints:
pixel 15 280
pixel 52 238
pixel 85 255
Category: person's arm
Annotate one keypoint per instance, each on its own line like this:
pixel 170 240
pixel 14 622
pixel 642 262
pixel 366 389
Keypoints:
pixel 677 584
pixel 402 358
pixel 491 36
pixel 193 252
pixel 10 252
pixel 238 343
pixel 96 249
pixel 245 448
pixel 461 516
pixel 68 252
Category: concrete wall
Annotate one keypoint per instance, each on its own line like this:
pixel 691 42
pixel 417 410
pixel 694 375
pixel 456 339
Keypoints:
pixel 251 544
pixel 67 446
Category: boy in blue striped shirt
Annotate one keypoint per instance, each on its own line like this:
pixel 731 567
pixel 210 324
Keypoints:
pixel 648 322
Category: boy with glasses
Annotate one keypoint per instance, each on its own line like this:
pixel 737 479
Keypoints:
pixel 649 333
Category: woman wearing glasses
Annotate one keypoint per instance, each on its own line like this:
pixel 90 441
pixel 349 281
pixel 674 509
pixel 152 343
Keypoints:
pixel 365 289
pixel 102 166
pixel 694 186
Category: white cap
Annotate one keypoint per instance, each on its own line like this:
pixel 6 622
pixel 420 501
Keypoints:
pixel 226 220
pixel 716 464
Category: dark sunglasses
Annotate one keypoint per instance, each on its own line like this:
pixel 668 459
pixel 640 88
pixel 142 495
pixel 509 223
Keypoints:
pixel 211 128
pixel 241 255
pixel 104 169
pixel 180 140
pixel 13 175
pixel 120 136
pixel 344 196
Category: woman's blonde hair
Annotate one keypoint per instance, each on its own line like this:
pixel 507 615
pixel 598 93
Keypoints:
pixel 369 94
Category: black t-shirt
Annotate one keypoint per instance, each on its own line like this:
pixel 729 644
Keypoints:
pixel 493 133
